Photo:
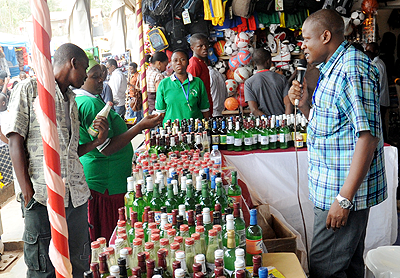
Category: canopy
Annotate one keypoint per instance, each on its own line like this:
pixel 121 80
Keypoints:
pixel 13 41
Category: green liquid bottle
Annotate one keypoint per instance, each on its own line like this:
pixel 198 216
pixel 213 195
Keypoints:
pixel 238 136
pixel 220 196
pixel 190 253
pixel 230 137
pixel 139 204
pixel 129 197
pixel 234 190
pixel 170 203
pixel 207 222
pixel 149 190
pixel 189 200
pixel 156 202
pixel 253 238
pixel 264 137
pixel 273 135
pixel 203 244
pixel 212 245
pixel 229 254
pixel 205 199
pixel 248 136
pixel 219 261
pixel 197 194
pixel 240 226
pixel 283 135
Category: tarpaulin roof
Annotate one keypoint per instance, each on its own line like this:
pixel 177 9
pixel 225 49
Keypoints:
pixel 13 40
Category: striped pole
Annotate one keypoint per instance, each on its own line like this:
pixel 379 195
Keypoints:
pixel 46 114
pixel 139 18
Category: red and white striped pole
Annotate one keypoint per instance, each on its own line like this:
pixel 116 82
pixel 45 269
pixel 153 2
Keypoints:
pixel 46 114
pixel 139 18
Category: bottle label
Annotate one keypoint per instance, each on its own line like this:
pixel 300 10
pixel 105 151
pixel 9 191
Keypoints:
pixel 304 137
pixel 215 139
pixel 282 138
pixel 157 217
pixel 223 139
pixel 217 160
pixel 254 247
pixel 273 138
pixel 238 142
pixel 230 140
pixel 236 198
pixel 259 138
pixel 248 141
pixel 288 137
pixel 170 214
pixel 299 144
pixel 255 139
pixel 264 140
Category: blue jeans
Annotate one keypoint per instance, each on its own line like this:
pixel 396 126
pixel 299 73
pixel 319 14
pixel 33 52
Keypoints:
pixel 37 237
pixel 120 110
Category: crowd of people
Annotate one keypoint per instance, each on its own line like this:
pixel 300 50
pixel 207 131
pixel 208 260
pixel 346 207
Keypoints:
pixel 346 169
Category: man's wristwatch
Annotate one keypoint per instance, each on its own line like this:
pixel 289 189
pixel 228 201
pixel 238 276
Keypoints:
pixel 344 202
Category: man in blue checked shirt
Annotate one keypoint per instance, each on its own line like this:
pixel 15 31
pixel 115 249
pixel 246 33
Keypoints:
pixel 345 146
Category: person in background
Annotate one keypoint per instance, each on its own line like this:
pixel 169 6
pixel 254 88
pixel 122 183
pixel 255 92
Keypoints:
pixel 114 157
pixel 4 80
pixel 22 75
pixel 182 96
pixel 372 51
pixel 106 95
pixel 346 170
pixel 198 64
pixel 4 63
pixel 266 91
pixel 26 151
pixel 218 91
pixel 118 84
pixel 135 95
pixel 158 64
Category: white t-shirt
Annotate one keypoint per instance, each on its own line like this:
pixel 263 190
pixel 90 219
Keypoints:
pixel 3 120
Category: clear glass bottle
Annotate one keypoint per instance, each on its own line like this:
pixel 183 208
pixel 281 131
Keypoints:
pixel 150 265
pixel 212 245
pixel 111 256
pixel 203 244
pixel 95 245
pixel 190 253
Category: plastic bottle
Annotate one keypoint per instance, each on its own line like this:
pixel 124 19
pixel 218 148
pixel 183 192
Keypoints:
pixel 216 157
pixel 103 112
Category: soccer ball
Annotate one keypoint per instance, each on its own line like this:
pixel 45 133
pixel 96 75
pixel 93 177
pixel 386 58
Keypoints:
pixel 221 66
pixel 231 85
pixel 219 47
pixel 357 17
pixel 234 63
pixel 244 57
pixel 242 40
pixel 228 48
pixel 241 74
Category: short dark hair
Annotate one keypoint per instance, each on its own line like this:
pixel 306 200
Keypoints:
pixel 329 20
pixel 261 56
pixel 158 56
pixel 181 51
pixel 68 51
pixel 133 65
pixel 374 46
pixel 112 62
pixel 197 37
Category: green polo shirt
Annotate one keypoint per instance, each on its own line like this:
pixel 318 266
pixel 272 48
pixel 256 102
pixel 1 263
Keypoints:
pixel 171 98
pixel 103 172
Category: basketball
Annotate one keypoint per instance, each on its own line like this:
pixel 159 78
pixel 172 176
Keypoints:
pixel 230 74
pixel 219 47
pixel 244 57
pixel 242 40
pixel 231 103
pixel 241 100
pixel 231 85
pixel 234 63
pixel 241 74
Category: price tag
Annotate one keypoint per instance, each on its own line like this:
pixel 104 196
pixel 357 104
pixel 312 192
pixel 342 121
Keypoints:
pixel 186 17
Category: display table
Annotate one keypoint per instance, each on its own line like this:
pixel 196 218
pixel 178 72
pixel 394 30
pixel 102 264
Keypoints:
pixel 271 179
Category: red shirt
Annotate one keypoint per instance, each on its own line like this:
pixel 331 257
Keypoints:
pixel 198 68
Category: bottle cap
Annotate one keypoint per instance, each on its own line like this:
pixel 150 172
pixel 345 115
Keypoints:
pixel 253 212
pixel 199 229
pixel 122 235
pixel 176 265
pixel 152 226
pixel 114 269
pixel 197 267
pixel 198 275
pixel 95 244
pixel 179 273
pixel 171 232
pixel 263 272
pixel 135 170
pixel 239 252
pixel 123 253
pixel 184 228
pixel 180 255
pixel 94 267
pixel 130 250
pixel 240 273
pixel 195 236
pixel 217 227
pixel 200 258
pixel 138 225
pixel 178 239
pixel 149 245
pixel 215 147
pixel 229 217
pixel 161 253
pixel 110 250
pixel 212 232
pixel 150 263
pixel 219 271
pixel 236 205
pixel 167 226
pixel 218 180
pixel 219 254
pixel 155 237
pixel 239 264
pixel 137 242
pixel 164 241
pixel 189 241
pixel 121 223
pixel 174 246
pixel 256 259
pixel 102 240
pixel 136 271
pixel 155 231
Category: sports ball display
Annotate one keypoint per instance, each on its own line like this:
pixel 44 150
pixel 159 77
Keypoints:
pixel 240 89
pixel 221 66
pixel 228 48
pixel 219 47
pixel 242 40
pixel 234 63
pixel 231 85
pixel 244 57
pixel 241 74
pixel 241 100
pixel 230 74
pixel 357 17
pixel 231 103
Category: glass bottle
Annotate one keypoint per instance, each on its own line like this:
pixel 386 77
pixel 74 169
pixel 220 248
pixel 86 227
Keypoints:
pixel 162 263
pixel 164 221
pixel 124 253
pixel 230 225
pixel 273 135
pixel 218 228
pixel 103 112
pixel 205 142
pixel 174 247
pixel 222 136
pixel 264 137
pixel 283 135
pixel 137 248
pixel 181 257
pixel 94 267
pixel 170 203
pixel 151 227
pixel 191 223
pixel 219 261
pixel 198 146
pixel 203 245
pixel 248 136
pixel 184 232
pixel 180 273
pixel 190 253
pixel 150 265
pixel 234 190
pixel 198 193
pixel 111 256
pixel 256 265
pixel 218 271
pixel 241 265
pixel 205 199
pixel 201 259
pixel 240 226
pixel 129 196
pixel 238 137
pixel 212 245
pixel 206 222
pixel 179 240
pixel 137 272
pixel 220 195
pixel 229 254
pixel 189 200
pixel 139 204
pixel 155 238
pixel 149 248
pixel 171 233
pixel 230 138
pixel 253 238
pixel 95 245
pixel 122 268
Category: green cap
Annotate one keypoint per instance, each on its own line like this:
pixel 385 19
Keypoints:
pixel 92 61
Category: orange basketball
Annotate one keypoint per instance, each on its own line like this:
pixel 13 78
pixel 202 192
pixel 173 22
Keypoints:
pixel 230 74
pixel 219 48
pixel 241 101
pixel 231 103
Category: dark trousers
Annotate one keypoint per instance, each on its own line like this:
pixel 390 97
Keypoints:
pixel 338 253
pixel 37 236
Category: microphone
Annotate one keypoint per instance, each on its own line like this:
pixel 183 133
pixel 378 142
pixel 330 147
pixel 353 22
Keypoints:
pixel 301 71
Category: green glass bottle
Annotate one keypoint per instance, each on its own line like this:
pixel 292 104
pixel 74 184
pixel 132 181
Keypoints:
pixel 230 137
pixel 248 136
pixel 234 190
pixel 283 135
pixel 153 146
pixel 254 132
pixel 149 190
pixel 229 254
pixel 264 137
pixel 139 204
pixel 230 225
pixel 189 199
pixel 170 203
pixel 273 135
pixel 156 203
pixel 222 136
pixel 205 199
pixel 238 136
pixel 191 222
pixel 240 226
pixel 198 192
pixel 129 197
pixel 253 238
pixel 220 197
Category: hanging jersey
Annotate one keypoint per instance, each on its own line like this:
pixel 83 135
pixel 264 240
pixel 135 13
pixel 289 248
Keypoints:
pixel 214 10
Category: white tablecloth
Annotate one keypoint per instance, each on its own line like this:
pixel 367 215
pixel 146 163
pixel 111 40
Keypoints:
pixel 271 179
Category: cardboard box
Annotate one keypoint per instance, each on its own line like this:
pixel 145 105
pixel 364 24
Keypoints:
pixel 285 240
pixel 286 263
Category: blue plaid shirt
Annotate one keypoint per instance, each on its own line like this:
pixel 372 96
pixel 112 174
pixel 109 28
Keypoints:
pixel 345 102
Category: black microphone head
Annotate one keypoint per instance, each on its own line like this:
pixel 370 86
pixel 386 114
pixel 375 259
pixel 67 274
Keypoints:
pixel 302 63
